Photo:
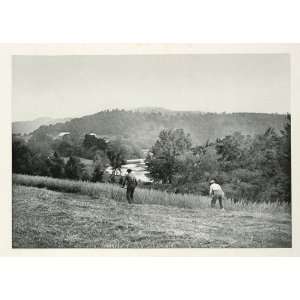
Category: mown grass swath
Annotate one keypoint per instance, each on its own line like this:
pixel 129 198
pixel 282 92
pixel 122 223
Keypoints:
pixel 142 196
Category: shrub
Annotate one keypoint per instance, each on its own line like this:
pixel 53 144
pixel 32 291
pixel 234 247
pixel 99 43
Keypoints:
pixel 74 168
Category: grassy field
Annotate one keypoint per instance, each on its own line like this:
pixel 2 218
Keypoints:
pixel 142 196
pixel 86 215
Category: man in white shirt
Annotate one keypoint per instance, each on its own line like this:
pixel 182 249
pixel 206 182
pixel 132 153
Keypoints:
pixel 216 192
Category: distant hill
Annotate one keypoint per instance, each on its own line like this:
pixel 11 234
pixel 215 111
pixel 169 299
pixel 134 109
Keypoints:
pixel 149 109
pixel 142 128
pixel 163 111
pixel 27 127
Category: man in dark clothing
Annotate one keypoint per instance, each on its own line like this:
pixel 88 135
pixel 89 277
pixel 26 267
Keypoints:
pixel 131 183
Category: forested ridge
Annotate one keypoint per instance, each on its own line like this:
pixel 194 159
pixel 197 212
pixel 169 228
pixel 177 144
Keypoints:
pixel 142 128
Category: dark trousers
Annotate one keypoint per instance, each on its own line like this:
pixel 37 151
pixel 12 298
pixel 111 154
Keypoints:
pixel 129 194
pixel 215 198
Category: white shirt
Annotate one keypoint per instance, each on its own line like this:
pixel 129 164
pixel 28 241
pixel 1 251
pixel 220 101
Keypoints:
pixel 214 187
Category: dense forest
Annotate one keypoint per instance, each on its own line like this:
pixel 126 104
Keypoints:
pixel 142 128
pixel 41 155
pixel 250 168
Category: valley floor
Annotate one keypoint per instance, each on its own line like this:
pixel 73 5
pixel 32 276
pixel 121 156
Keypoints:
pixel 48 219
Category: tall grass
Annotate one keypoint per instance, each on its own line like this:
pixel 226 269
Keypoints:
pixel 141 196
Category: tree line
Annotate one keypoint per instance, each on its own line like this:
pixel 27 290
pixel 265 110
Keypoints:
pixel 250 168
pixel 62 158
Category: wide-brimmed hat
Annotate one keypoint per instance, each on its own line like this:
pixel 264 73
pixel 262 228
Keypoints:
pixel 211 182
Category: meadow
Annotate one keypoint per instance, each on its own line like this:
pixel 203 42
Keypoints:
pixel 56 213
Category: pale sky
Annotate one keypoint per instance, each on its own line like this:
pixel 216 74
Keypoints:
pixel 69 86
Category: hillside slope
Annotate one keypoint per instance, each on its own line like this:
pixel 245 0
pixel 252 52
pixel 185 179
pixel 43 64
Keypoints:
pixel 142 128
pixel 26 127
pixel 47 219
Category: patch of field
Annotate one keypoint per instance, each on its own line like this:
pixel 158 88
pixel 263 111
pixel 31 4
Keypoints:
pixel 48 219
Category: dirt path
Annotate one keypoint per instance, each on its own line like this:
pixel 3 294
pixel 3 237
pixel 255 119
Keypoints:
pixel 50 219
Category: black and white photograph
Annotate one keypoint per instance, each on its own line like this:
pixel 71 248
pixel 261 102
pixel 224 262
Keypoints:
pixel 151 151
